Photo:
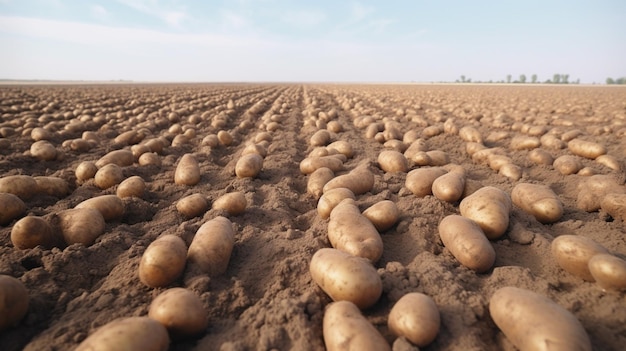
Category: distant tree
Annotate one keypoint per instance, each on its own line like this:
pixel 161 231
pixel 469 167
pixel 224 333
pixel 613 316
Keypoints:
pixel 548 81
pixel 469 80
pixel 564 78
pixel 556 78
pixel 621 80
pixel 610 81
pixel 462 79
pixel 508 78
pixel 522 78
pixel 533 78
pixel 577 81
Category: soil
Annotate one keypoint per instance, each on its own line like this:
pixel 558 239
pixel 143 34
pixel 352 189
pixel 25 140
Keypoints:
pixel 267 300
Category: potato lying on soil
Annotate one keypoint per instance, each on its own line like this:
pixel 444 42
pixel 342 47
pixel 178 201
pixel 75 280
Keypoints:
pixel 489 207
pixel 351 232
pixel 79 225
pixel 22 186
pixel 32 231
pixel 320 138
pixel 567 164
pixel 181 311
pixel 108 176
pixel 149 158
pixel 188 171
pixel 14 301
pixel 539 201
pixel 359 180
pixel 193 205
pixel 163 261
pixel 311 164
pixel 126 334
pixel 610 162
pixel 420 181
pixel 121 158
pixel 131 186
pixel 212 246
pixel 342 147
pixel 11 207
pixel 345 277
pixel 534 322
pixel 383 214
pixel 234 203
pixel 249 166
pixel 346 329
pixel 332 198
pixel 225 138
pixel 110 206
pixel 609 271
pixel 586 149
pixel 416 317
pixel 85 171
pixel 540 157
pixel 53 186
pixel 613 204
pixel 470 134
pixel 317 180
pixel 467 243
pixel 449 187
pixel 592 191
pixel 392 161
pixel 573 252
pixel 521 142
pixel 43 150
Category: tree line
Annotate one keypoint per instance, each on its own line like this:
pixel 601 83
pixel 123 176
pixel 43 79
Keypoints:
pixel 621 80
pixel 557 78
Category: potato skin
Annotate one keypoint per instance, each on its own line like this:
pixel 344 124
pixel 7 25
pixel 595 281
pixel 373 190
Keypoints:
pixel 181 311
pixel 163 261
pixel 613 204
pixel 449 187
pixel 85 170
pixel 360 180
pixel 351 232
pixel 14 301
pixel 313 163
pixel 80 225
pixel 110 206
pixel 533 322
pixel 234 203
pixel 489 207
pixel 586 149
pixel 108 176
pixel 212 246
pixel 383 214
pixel 346 329
pixel 573 252
pixel 317 180
pixel 332 198
pixel 43 150
pixel 609 271
pixel 416 317
pixel 420 181
pixel 22 186
pixel 187 171
pixel 249 166
pixel 467 243
pixel 131 186
pixel 128 334
pixel 32 231
pixel 392 161
pixel 346 277
pixel 53 186
pixel 192 205
pixel 567 164
pixel 11 207
pixel 539 201
pixel 121 158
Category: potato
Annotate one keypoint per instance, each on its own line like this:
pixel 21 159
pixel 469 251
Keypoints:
pixel 416 317
pixel 163 261
pixel 79 225
pixel 110 206
pixel 346 329
pixel 573 252
pixel 311 164
pixel 420 181
pixel 212 246
pixel 249 166
pixel 450 127
pixel 193 205
pixel 392 161
pixel 587 172
pixel 131 186
pixel 592 191
pixel 149 158
pixel 610 162
pixel 567 164
pixel 521 142
pixel 511 171
pixel 540 157
pixel 360 180
pixel 567 136
pixel 43 150
pixel 470 134
pixel 533 322
pixel 53 186
pixel 317 180
pixel 11 207
pixel 489 207
pixel 127 334
pixel 609 271
pixel 467 243
pixel 225 138
pixel 342 147
pixel 108 176
pixel 85 171
pixel 449 187
pixel 234 203
pixel 539 201
pixel 23 186
pixel 552 142
pixel 586 149
pixel 181 311
pixel 121 158
pixel 613 204
pixel 432 131
pixel 345 277
pixel 32 231
pixel 39 133
pixel 437 158
pixel 332 198
pixel 254 149
pixel 383 214
pixel 320 138
pixel 351 232
pixel 188 171
pixel 416 147
pixel 14 301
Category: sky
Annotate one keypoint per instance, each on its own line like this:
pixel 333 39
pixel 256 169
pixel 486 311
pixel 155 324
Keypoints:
pixel 313 41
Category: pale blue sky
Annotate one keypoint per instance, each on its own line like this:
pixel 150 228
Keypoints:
pixel 281 40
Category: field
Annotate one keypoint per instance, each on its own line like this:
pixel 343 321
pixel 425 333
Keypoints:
pixel 266 299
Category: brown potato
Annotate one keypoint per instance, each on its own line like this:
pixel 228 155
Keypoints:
pixel 350 231
pixel 609 271
pixel 193 205
pixel 342 147
pixel 540 157
pixel 11 207
pixel 14 301
pixel 467 243
pixel 225 138
pixel 32 231
pixel 43 150
pixel 436 157
pixel 610 162
pixel 320 138
pixel 539 201
pixel 110 206
pixel 470 134
pixel 522 142
pixel 249 166
pixel 360 180
pixel 345 328
pixel 586 149
pixel 317 180
pixel 345 277
pixel 449 187
pixel 79 225
pixel 392 161
pixel 188 171
pixel 383 215
pixel 85 171
pixel 131 186
pixel 573 252
pixel 533 322
pixel 121 158
pixel 181 311
pixel 130 333
pixel 212 246
pixel 420 181
pixel 613 204
pixel 149 158
pixel 234 203
pixel 592 191
pixel 567 164
pixel 511 171
pixel 489 207
pixel 108 176
pixel 163 261
pixel 416 317
pixel 23 186
pixel 311 164
pixel 332 198
pixel 53 186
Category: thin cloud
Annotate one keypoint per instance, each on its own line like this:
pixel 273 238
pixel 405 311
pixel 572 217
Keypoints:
pixel 304 19
pixel 173 17
pixel 99 11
